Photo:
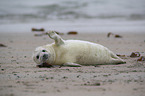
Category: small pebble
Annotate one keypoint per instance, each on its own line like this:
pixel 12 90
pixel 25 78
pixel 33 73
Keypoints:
pixel 2 69
pixel 97 84
pixel 78 76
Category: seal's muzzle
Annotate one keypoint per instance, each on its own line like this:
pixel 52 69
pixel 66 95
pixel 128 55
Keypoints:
pixel 45 56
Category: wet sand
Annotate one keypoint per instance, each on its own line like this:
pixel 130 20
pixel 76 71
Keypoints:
pixel 19 75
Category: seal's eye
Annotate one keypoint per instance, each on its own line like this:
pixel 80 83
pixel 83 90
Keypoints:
pixel 43 50
pixel 37 56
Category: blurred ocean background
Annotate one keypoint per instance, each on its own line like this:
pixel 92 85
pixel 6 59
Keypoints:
pixel 73 15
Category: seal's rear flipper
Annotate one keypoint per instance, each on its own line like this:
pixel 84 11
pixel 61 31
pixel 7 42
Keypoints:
pixel 71 65
pixel 58 40
pixel 116 60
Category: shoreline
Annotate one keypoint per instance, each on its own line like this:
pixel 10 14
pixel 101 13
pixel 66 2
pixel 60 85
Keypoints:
pixel 81 26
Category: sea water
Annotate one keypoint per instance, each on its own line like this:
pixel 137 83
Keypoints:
pixel 73 15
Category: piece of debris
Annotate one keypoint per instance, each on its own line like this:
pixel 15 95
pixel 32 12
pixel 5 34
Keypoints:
pixel 35 29
pixel 108 35
pixel 120 55
pixel 135 54
pixel 2 45
pixel 115 35
pixel 72 33
pixel 142 58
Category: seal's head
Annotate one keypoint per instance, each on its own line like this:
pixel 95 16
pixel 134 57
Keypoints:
pixel 43 57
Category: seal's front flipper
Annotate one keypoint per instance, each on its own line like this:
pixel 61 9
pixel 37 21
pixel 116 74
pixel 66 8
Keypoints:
pixel 72 65
pixel 58 40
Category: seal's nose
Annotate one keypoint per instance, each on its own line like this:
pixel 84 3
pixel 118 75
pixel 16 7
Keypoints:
pixel 45 56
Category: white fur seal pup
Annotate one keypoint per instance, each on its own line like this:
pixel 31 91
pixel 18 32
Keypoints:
pixel 73 53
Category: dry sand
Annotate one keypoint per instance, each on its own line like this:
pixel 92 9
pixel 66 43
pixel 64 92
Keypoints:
pixel 19 75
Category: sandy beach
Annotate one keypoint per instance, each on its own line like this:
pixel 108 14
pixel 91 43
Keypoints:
pixel 19 75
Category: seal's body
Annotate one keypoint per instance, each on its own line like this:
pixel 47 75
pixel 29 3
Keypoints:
pixel 74 53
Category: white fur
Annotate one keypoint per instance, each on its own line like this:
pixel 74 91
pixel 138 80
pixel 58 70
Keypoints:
pixel 77 52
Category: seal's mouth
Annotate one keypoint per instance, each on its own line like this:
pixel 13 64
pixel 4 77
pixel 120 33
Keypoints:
pixel 44 65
